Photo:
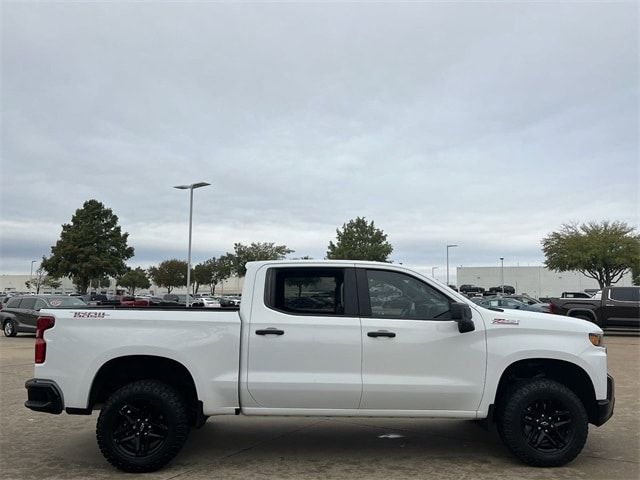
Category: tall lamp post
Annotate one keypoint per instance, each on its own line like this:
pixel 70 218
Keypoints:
pixel 191 188
pixel 502 274
pixel 31 275
pixel 448 247
pixel 433 269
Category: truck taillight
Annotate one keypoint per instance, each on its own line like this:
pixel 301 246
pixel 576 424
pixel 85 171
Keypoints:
pixel 42 324
pixel 551 308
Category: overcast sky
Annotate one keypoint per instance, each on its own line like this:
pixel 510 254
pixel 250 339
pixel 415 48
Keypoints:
pixel 484 125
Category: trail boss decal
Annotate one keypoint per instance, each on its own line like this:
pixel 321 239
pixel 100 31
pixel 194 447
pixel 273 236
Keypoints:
pixel 90 314
pixel 505 321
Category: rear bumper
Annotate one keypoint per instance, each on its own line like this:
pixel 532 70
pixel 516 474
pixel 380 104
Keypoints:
pixel 43 396
pixel 605 407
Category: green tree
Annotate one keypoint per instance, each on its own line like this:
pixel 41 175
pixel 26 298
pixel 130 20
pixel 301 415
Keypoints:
pixel 91 246
pixel 136 278
pixel 42 279
pixel 224 269
pixel 360 240
pixel 203 274
pixel 604 251
pixel 169 274
pixel 254 253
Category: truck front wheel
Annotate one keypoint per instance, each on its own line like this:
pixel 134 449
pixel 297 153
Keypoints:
pixel 142 426
pixel 543 423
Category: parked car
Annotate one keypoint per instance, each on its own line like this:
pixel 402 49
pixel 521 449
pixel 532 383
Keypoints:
pixel 508 303
pixel 21 312
pixel 324 346
pixel 617 308
pixel 230 301
pixel 181 299
pixel 507 289
pixel 524 299
pixel 467 289
pixel 210 302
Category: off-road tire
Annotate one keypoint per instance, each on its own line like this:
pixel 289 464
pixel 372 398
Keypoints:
pixel 515 422
pixel 171 417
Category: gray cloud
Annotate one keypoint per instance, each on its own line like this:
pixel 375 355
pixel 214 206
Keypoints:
pixel 486 125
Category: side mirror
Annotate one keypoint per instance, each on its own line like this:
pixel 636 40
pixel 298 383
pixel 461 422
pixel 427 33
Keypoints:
pixel 461 313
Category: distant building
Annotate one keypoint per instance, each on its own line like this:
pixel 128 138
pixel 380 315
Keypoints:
pixel 534 281
pixel 16 284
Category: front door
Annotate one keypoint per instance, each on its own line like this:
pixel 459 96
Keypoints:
pixel 414 357
pixel 305 350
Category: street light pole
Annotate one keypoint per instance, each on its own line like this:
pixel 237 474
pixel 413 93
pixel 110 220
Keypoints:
pixel 432 270
pixel 448 247
pixel 190 188
pixel 502 274
pixel 31 275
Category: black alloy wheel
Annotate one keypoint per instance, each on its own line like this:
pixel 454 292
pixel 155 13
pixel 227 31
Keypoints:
pixel 542 422
pixel 143 426
pixel 140 430
pixel 547 426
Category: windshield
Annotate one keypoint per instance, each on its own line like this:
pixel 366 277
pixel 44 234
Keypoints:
pixel 65 302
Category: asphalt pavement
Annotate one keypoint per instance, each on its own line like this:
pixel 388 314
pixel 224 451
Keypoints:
pixel 38 446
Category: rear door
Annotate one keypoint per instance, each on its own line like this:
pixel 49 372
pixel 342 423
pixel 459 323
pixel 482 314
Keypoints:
pixel 621 308
pixel 414 357
pixel 26 313
pixel 305 348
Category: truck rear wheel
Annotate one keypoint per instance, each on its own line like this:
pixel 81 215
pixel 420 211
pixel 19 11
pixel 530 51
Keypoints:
pixel 543 423
pixel 142 426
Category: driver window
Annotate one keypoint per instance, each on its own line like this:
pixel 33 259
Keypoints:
pixel 396 295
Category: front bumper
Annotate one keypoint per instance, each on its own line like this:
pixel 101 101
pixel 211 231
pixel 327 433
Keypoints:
pixel 43 396
pixel 604 408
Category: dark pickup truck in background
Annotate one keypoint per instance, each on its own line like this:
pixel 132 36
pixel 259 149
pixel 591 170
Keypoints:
pixel 618 309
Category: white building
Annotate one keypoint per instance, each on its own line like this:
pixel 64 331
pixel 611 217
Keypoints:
pixel 16 284
pixel 534 281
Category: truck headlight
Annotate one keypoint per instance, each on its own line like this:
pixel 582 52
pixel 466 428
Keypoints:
pixel 597 339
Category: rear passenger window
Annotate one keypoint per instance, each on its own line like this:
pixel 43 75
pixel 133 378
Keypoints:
pixel 625 294
pixel 28 303
pixel 307 290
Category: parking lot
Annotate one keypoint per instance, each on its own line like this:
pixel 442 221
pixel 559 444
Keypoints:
pixel 34 445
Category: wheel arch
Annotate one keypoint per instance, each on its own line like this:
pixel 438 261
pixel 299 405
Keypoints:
pixel 122 370
pixel 569 374
pixel 574 312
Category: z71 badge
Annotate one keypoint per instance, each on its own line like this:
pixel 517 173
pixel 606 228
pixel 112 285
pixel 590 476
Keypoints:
pixel 90 314
pixel 504 321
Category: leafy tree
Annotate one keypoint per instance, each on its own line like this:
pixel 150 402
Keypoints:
pixel 360 240
pixel 91 246
pixel 42 279
pixel 203 274
pixel 302 282
pixel 136 278
pixel 254 253
pixel 635 273
pixel 604 251
pixel 224 269
pixel 169 274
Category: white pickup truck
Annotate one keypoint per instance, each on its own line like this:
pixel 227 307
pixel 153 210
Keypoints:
pixel 323 338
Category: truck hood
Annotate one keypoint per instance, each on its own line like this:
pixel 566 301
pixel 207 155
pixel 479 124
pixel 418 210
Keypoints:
pixel 529 320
